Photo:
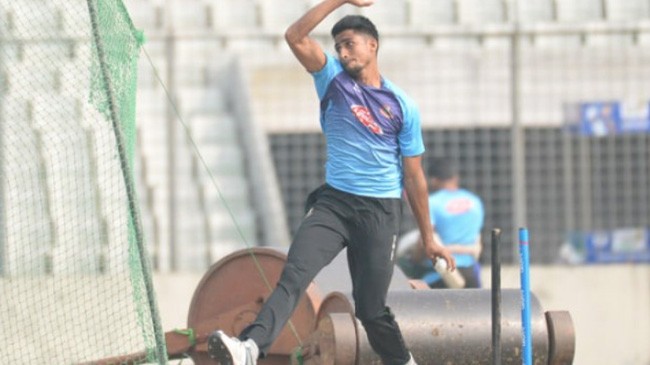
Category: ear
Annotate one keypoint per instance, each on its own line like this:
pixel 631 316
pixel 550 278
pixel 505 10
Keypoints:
pixel 374 45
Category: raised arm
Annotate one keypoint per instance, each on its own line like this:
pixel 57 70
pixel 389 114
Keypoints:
pixel 416 191
pixel 308 52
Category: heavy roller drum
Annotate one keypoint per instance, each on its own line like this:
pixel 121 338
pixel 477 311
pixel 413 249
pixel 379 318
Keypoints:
pixel 448 327
pixel 231 294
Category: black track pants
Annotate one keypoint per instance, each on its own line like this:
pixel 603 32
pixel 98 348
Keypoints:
pixel 368 227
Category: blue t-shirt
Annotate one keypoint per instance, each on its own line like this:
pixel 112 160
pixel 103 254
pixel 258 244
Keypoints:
pixel 458 218
pixel 368 130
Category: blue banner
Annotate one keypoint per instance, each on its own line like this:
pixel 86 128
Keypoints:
pixel 623 245
pixel 605 118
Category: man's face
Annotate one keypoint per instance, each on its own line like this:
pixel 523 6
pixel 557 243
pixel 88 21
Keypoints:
pixel 355 50
pixel 435 184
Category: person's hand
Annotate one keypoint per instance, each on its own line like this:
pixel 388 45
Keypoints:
pixel 435 250
pixel 361 3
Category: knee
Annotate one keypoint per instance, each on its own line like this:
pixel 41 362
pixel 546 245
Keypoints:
pixel 293 278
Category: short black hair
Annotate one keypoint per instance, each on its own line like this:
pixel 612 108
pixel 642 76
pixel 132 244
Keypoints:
pixel 357 23
pixel 441 168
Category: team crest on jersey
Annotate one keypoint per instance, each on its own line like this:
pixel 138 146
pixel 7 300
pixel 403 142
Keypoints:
pixel 363 115
pixel 459 206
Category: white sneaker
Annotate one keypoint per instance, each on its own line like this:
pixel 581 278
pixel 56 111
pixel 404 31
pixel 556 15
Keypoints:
pixel 232 351
pixel 411 361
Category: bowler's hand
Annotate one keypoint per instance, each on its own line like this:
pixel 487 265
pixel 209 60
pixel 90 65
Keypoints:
pixel 361 3
pixel 435 251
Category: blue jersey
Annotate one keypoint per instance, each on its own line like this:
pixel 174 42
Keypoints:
pixel 458 218
pixel 368 130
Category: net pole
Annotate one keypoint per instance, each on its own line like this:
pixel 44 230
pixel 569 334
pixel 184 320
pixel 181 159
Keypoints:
pixel 517 132
pixel 130 190
pixel 2 159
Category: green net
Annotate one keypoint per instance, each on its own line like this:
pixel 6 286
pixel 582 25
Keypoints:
pixel 74 281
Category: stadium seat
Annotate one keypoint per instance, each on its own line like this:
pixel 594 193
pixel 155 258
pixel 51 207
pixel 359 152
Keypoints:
pixel 627 10
pixel 477 12
pixel 39 53
pixel 236 15
pixel 44 78
pixel 147 15
pixel 28 244
pixel 533 11
pixel 428 13
pixel 151 106
pixel 190 15
pixel 220 160
pixel 74 79
pixel 75 18
pixel 16 109
pixel 152 65
pixel 152 77
pixel 572 11
pixel 201 61
pixel 388 14
pixel 77 255
pixel 326 25
pixel 277 17
pixel 208 99
pixel 32 19
pixel 226 199
pixel 52 110
pixel 207 129
pixel 226 228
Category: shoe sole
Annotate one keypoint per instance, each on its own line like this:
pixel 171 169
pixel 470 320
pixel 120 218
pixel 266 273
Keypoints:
pixel 218 351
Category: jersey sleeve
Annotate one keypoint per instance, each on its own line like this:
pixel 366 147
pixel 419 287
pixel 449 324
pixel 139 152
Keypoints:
pixel 324 76
pixel 410 137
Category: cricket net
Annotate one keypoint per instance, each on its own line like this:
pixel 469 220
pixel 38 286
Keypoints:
pixel 75 283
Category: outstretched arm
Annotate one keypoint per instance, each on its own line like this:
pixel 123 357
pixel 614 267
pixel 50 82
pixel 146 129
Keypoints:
pixel 308 52
pixel 416 191
pixel 474 250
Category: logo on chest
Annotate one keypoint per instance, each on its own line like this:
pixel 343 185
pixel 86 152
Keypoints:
pixel 364 116
pixel 459 206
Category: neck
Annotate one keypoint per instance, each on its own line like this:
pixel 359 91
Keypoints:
pixel 450 185
pixel 369 76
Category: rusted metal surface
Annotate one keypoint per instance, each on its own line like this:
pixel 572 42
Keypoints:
pixel 562 338
pixel 446 327
pixel 235 288
pixel 439 326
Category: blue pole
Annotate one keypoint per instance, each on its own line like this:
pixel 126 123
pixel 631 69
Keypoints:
pixel 527 343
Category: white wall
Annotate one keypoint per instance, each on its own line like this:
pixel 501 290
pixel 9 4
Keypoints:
pixel 610 307
pixel 609 304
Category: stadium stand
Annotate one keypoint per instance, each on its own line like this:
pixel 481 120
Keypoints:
pixel 460 47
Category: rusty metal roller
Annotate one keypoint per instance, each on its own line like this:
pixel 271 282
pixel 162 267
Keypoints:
pixel 232 292
pixel 447 327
